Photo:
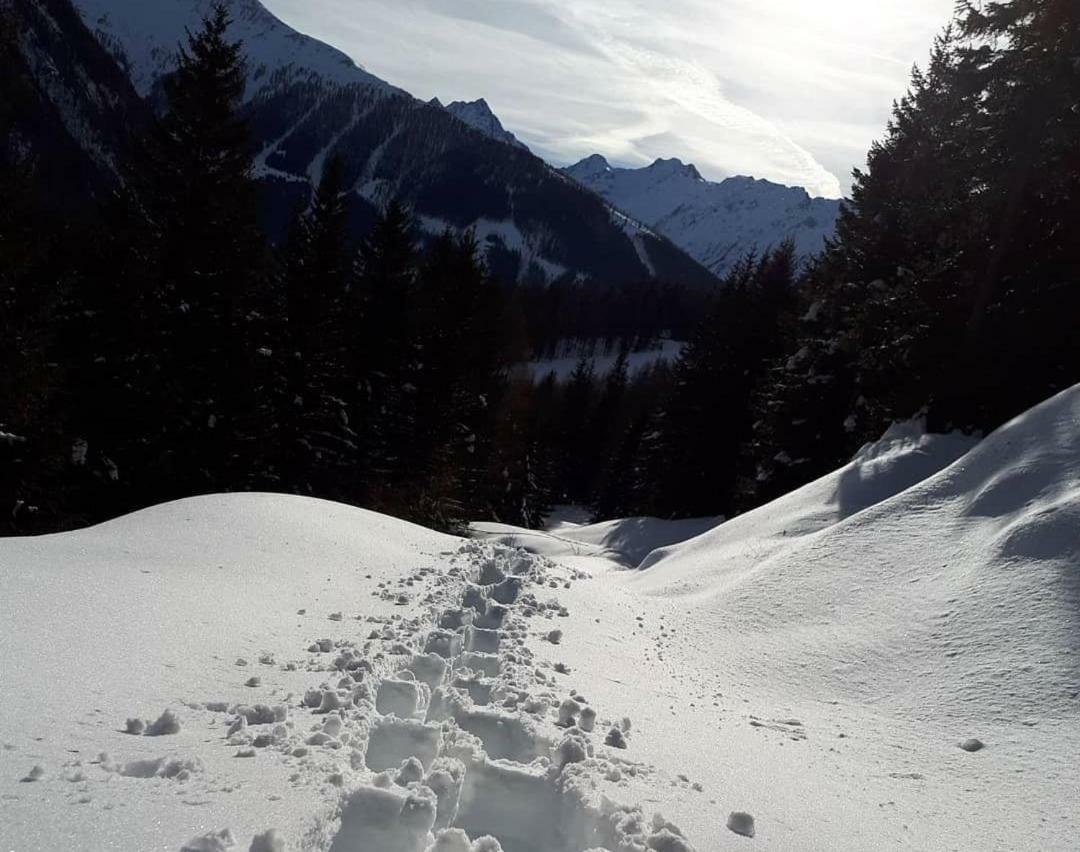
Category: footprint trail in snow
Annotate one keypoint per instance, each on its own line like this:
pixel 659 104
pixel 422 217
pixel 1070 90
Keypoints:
pixel 450 737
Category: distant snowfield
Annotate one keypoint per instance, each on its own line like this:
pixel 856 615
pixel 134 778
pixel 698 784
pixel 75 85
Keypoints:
pixel 807 673
pixel 667 351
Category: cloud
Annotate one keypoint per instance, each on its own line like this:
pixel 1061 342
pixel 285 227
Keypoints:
pixel 781 89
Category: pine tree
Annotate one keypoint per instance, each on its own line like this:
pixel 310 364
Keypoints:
pixel 458 376
pixel 381 354
pixel 202 260
pixel 318 443
pixel 575 454
pixel 1021 58
pixel 693 446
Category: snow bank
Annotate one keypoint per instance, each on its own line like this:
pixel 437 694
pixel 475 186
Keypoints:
pixel 887 659
pixel 876 625
pixel 626 541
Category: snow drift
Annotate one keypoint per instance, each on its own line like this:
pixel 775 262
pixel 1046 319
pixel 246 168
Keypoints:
pixel 888 658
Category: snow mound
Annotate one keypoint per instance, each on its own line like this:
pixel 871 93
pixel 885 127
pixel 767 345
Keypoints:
pixel 972 567
pixel 899 640
pixel 904 457
pixel 405 727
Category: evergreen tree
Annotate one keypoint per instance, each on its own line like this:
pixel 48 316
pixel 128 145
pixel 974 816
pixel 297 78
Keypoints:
pixel 692 445
pixel 381 354
pixel 458 376
pixel 1021 59
pixel 318 442
pixel 202 259
pixel 575 453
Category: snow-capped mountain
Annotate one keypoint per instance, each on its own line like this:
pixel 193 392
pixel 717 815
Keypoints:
pixel 144 36
pixel 715 223
pixel 307 101
pixel 478 114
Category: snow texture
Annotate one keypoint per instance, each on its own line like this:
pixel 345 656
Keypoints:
pixel 826 663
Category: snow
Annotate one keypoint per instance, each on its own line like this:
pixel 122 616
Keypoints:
pixel 715 223
pixel 147 35
pixel 626 541
pixel 567 359
pixel 884 659
pixel 507 233
pixel 828 662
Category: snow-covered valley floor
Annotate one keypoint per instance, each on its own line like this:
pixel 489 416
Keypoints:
pixel 265 672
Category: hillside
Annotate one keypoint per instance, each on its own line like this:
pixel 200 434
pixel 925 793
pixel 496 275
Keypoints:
pixel 306 102
pixel 66 104
pixel 816 665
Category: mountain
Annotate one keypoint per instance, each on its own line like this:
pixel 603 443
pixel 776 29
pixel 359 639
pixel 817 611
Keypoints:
pixel 307 101
pixel 478 115
pixel 715 223
pixel 65 104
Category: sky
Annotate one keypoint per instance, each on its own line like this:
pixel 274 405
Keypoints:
pixel 789 90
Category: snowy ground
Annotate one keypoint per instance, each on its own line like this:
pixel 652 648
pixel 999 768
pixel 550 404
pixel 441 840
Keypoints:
pixel 603 362
pixel 807 673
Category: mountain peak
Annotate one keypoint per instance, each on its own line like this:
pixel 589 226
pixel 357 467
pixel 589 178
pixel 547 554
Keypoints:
pixel 715 223
pixel 478 115
pixel 675 166
pixel 590 168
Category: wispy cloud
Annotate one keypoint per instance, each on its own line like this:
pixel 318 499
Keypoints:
pixel 789 90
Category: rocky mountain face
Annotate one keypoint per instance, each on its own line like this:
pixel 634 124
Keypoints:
pixel 65 106
pixel 715 223
pixel 478 115
pixel 307 101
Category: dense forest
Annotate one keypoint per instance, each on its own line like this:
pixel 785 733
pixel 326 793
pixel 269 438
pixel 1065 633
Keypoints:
pixel 154 344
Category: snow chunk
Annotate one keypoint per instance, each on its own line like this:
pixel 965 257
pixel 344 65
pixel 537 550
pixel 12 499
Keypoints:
pixel 268 841
pixel 165 724
pixel 134 726
pixel 741 823
pixel 386 820
pixel 215 841
pixel 35 774
pixel 450 840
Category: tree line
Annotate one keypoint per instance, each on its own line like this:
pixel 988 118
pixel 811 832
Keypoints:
pixel 174 353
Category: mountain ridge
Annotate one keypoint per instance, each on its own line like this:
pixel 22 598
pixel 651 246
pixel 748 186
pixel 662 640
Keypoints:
pixel 716 223
pixel 307 101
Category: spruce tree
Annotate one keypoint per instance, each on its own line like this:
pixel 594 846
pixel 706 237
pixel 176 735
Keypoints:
pixel 318 442
pixel 382 357
pixel 693 446
pixel 203 259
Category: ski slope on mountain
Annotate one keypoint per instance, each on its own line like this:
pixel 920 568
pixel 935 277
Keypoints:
pixel 888 658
